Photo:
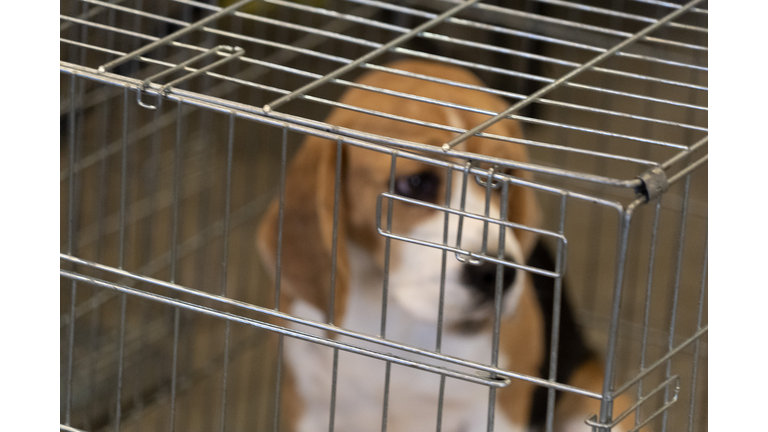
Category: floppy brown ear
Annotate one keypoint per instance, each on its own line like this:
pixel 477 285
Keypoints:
pixel 306 253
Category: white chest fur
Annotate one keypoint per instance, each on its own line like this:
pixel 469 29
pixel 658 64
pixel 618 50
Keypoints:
pixel 413 395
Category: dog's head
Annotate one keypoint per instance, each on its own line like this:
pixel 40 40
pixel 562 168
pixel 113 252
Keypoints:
pixel 321 223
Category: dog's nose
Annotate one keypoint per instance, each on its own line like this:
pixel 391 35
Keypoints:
pixel 482 278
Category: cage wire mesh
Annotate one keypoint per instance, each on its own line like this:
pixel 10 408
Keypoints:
pixel 178 117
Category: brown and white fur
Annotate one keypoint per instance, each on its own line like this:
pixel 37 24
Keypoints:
pixel 414 273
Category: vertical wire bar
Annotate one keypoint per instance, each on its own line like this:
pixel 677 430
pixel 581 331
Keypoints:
pixel 487 211
pixel 121 353
pixel 278 265
pixel 123 181
pixel 499 288
pixel 95 318
pixel 174 258
pixel 225 263
pixel 694 373
pixel 385 290
pixel 281 214
pixel 70 244
pixel 278 379
pixel 176 192
pixel 174 367
pixel 385 407
pixel 647 312
pixel 557 299
pixel 441 301
pixel 676 294
pixel 606 404
pixel 440 397
pixel 227 205
pixel 444 258
pixel 461 215
pixel 688 137
pixel 499 285
pixel 387 245
pixel 334 379
pixel 335 235
pixel 120 260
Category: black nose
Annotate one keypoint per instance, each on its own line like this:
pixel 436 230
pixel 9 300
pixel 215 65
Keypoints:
pixel 482 278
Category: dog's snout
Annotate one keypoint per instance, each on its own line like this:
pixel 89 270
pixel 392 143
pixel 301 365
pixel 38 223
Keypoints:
pixel 482 278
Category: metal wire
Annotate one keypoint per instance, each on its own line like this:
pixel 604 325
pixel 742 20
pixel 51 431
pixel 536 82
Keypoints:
pixel 326 13
pixel 697 344
pixel 282 78
pixel 299 335
pixel 565 78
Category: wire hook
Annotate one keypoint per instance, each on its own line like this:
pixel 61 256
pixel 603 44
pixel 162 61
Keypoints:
pixel 140 90
pixel 495 184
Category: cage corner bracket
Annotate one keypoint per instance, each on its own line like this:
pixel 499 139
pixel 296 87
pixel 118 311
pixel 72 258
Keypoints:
pixel 653 183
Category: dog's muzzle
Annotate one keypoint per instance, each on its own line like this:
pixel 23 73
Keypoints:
pixel 482 279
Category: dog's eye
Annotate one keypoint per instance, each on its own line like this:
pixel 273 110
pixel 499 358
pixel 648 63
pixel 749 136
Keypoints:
pixel 422 186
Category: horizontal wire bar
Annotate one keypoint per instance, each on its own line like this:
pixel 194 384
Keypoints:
pixel 91 12
pixel 469 254
pixel 137 12
pixel 485 112
pixel 165 118
pixel 173 36
pixel 655 414
pixel 69 428
pixel 597 131
pixel 499 29
pixel 626 386
pixel 257 18
pixel 544 101
pixel 431 35
pixel 680 156
pixel 531 143
pixel 550 81
pixel 370 55
pixel 353 137
pixel 286 24
pixel 545 59
pixel 582 26
pixel 670 5
pixel 490 370
pixel 458 41
pixel 565 78
pixel 664 385
pixel 464 252
pixel 332 14
pixel 466 64
pixel 403 119
pixel 242 215
pixel 528 35
pixel 190 69
pixel 688 169
pixel 285 331
pixel 614 13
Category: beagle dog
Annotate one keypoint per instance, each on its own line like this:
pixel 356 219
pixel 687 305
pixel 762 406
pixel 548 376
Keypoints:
pixel 427 287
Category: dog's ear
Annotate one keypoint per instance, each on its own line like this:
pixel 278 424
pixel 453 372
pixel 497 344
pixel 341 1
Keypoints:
pixel 523 207
pixel 306 245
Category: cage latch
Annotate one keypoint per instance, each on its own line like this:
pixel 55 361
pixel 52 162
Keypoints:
pixel 653 183
pixel 227 52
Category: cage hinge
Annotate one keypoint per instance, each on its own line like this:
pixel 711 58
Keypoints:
pixel 653 183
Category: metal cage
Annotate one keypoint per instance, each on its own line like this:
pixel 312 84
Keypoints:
pixel 178 119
